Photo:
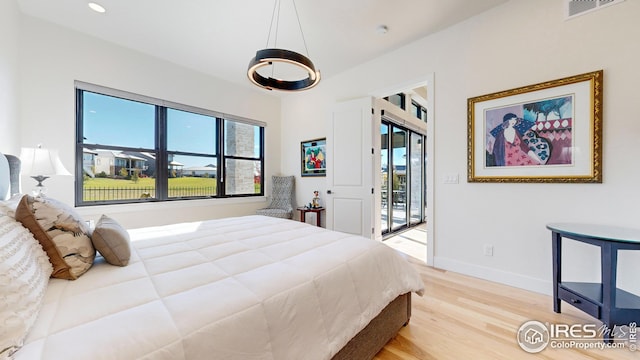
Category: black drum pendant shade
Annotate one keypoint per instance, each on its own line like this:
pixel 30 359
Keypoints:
pixel 271 56
pixel 267 57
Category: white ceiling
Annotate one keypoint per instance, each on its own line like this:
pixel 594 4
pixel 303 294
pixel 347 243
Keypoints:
pixel 219 37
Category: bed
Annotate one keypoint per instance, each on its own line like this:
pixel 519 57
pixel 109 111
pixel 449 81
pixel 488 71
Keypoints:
pixel 251 287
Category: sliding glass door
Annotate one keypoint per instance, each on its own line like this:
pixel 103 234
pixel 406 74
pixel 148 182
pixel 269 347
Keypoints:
pixel 384 161
pixel 398 178
pixel 416 179
pixel 402 182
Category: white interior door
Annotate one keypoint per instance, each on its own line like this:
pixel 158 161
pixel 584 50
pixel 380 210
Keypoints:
pixel 350 168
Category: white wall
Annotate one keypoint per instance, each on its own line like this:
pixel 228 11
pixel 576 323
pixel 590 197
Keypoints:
pixel 519 43
pixel 52 57
pixel 9 26
pixel 304 117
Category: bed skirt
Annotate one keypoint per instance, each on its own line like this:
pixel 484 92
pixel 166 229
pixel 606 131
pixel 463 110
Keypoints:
pixel 368 342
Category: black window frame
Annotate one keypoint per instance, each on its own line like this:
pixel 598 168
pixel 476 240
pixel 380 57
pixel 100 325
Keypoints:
pixel 160 150
pixel 401 98
pixel 420 111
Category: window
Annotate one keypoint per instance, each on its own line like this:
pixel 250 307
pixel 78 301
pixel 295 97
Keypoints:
pixel 398 100
pixel 418 111
pixel 192 156
pixel 242 156
pixel 131 148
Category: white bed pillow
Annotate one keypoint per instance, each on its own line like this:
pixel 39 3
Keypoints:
pixel 8 207
pixel 5 209
pixel 24 275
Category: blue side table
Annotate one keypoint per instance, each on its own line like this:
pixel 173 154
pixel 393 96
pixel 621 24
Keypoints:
pixel 604 301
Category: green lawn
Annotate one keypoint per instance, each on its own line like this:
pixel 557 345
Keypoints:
pixel 104 189
pixel 108 183
pixel 100 189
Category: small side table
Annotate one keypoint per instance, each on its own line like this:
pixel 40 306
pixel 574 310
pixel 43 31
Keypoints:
pixel 305 210
pixel 603 300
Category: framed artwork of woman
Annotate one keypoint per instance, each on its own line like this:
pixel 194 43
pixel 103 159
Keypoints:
pixel 547 132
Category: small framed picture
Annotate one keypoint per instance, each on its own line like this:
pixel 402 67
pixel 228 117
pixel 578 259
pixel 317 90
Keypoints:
pixel 313 157
pixel 548 133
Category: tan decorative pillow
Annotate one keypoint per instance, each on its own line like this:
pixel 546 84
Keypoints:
pixel 62 233
pixel 112 241
pixel 24 275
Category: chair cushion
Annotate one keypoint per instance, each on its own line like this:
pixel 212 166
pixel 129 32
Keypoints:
pixel 280 213
pixel 281 198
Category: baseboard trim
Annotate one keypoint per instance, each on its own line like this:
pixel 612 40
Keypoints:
pixel 495 275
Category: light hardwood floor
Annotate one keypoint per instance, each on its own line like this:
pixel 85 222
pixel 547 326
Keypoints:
pixel 412 242
pixel 461 317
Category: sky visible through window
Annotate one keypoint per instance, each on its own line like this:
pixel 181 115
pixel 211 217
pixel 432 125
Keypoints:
pixel 119 122
pixel 191 132
pixel 399 153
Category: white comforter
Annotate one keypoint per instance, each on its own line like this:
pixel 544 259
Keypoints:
pixel 239 288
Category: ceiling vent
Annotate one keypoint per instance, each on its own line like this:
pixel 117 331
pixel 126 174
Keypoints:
pixel 580 7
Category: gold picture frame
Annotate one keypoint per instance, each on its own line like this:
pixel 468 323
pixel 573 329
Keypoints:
pixel 549 132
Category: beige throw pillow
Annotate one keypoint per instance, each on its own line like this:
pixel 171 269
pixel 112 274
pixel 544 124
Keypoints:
pixel 24 275
pixel 62 233
pixel 112 241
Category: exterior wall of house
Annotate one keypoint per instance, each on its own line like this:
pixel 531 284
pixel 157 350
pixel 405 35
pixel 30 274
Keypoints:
pixel 209 172
pixel 516 44
pixel 89 164
pixel 240 140
pixel 104 162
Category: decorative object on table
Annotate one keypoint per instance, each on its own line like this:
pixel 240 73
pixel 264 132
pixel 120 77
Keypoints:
pixel 281 198
pixel 313 157
pixel 262 67
pixel 549 132
pixel 315 202
pixel 40 164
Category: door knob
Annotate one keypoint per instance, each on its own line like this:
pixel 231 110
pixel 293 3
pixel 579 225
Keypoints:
pixel 328 191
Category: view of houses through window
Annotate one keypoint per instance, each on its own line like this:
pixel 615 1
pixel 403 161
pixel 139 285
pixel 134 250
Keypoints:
pixel 130 150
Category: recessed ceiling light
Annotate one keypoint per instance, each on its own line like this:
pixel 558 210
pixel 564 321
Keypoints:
pixel 382 29
pixel 97 7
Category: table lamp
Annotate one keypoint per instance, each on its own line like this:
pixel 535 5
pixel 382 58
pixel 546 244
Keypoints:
pixel 40 164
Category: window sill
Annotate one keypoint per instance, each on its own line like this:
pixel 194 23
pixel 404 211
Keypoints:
pixel 98 210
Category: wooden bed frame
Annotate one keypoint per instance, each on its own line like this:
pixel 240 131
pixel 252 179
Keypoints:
pixel 365 345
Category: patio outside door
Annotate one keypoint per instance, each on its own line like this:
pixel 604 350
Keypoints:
pixel 402 183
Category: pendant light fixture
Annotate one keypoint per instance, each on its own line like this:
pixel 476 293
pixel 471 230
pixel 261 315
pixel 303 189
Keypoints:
pixel 271 56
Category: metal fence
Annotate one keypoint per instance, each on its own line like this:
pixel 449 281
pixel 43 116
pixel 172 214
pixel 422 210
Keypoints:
pixel 149 192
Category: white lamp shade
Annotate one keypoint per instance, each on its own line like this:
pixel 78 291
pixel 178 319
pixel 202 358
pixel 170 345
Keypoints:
pixel 39 161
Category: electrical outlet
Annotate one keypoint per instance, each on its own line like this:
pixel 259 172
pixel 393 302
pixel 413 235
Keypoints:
pixel 488 250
